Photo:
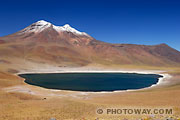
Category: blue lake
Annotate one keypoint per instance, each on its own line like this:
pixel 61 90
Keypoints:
pixel 93 82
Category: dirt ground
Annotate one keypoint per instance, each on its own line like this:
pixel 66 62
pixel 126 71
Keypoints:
pixel 76 106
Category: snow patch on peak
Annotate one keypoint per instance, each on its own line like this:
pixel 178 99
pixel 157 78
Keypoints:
pixel 68 28
pixel 37 27
pixel 42 25
pixel 42 22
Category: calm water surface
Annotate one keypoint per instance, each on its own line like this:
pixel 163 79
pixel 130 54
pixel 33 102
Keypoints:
pixel 91 81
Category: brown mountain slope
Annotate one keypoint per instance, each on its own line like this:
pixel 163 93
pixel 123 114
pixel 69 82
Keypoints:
pixel 46 44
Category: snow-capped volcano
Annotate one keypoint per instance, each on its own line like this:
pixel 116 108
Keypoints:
pixel 43 43
pixel 41 25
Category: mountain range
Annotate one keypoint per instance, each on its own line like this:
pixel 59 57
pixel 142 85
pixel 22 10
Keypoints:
pixel 43 43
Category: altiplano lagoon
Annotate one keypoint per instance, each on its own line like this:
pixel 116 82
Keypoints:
pixel 92 82
pixel 90 60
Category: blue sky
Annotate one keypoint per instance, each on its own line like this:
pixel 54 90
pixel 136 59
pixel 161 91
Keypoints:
pixel 146 22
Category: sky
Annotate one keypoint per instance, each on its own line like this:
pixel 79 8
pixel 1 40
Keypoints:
pixel 147 22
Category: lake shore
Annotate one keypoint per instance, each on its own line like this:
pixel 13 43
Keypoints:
pixel 163 81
